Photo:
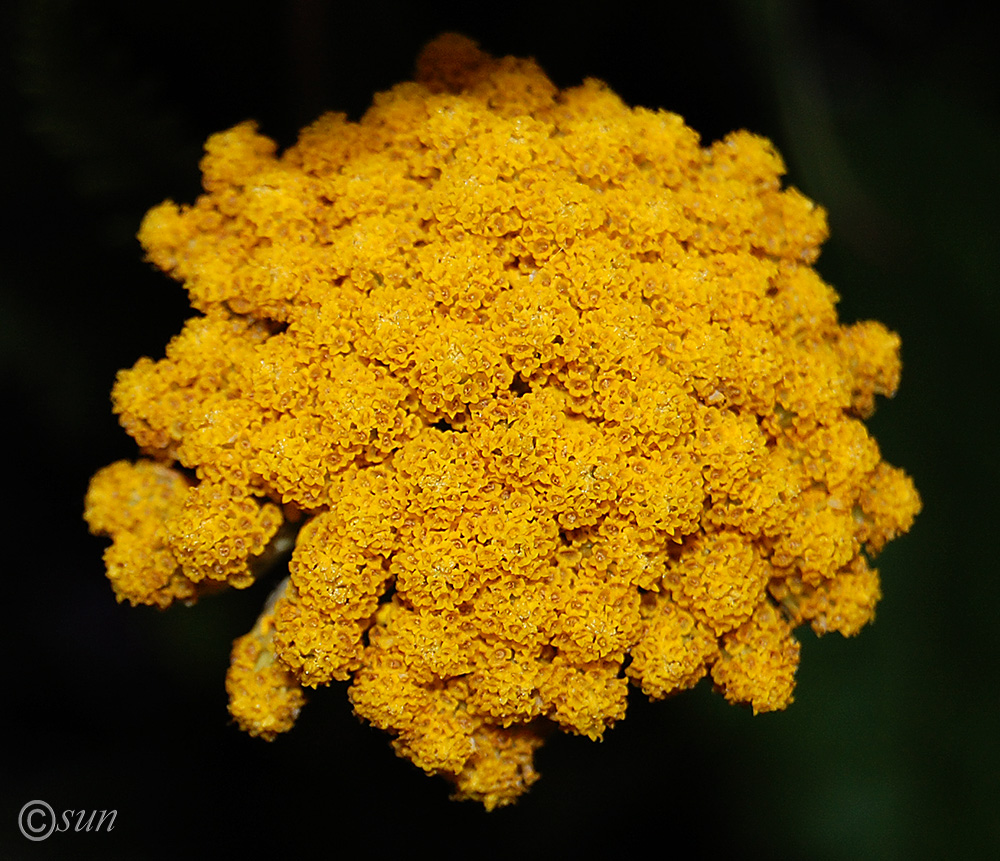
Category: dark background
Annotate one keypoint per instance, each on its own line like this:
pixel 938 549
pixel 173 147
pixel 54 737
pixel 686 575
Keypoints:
pixel 886 112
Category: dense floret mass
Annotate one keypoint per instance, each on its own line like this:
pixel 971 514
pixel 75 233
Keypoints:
pixel 547 396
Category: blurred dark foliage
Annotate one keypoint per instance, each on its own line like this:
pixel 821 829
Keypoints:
pixel 887 113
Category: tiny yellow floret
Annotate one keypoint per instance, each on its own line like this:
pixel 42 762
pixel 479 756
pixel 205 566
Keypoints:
pixel 265 695
pixel 539 396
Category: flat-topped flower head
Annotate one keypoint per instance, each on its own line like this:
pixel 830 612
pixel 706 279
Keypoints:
pixel 544 396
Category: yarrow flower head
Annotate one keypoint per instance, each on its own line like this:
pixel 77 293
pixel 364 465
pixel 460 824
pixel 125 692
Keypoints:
pixel 543 396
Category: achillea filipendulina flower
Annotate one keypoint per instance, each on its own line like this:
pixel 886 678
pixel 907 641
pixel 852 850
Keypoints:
pixel 546 394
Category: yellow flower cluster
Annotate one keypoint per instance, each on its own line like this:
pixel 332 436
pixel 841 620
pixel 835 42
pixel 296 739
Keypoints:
pixel 546 394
